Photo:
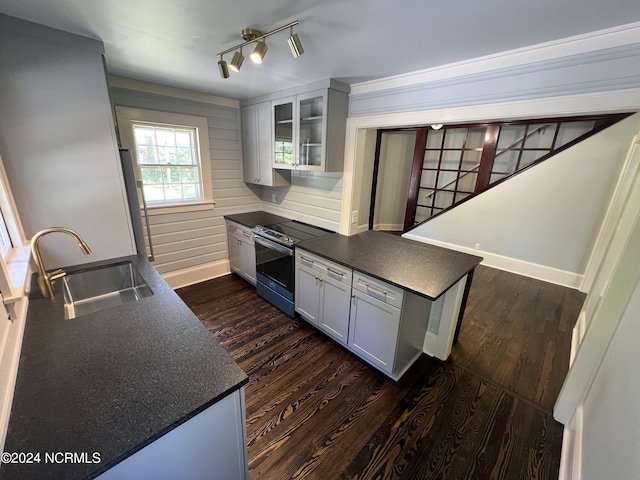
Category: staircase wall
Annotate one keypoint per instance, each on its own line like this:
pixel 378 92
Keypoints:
pixel 543 222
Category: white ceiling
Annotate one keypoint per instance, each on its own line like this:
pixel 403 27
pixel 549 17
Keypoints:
pixel 175 42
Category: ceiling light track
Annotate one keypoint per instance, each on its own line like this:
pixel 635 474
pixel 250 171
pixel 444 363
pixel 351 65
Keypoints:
pixel 251 35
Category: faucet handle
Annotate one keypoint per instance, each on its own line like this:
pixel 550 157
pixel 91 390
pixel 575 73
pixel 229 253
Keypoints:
pixel 56 274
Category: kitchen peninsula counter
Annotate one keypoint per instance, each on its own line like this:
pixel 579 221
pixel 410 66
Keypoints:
pixel 426 270
pixel 111 382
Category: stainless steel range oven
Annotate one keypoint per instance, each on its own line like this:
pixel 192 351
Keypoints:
pixel 275 262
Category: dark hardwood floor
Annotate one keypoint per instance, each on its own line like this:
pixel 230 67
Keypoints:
pixel 315 411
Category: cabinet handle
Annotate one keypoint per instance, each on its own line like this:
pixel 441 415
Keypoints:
pixel 232 228
pixel 335 272
pixel 302 257
pixel 247 234
pixel 320 279
pixel 375 289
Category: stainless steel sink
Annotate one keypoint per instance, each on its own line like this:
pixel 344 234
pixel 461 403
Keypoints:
pixel 96 289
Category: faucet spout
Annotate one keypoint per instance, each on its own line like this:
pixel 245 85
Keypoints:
pixel 45 280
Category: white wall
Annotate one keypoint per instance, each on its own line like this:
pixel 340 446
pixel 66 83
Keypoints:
pixel 548 215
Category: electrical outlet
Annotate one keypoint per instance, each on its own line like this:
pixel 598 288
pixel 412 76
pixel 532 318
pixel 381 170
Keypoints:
pixel 273 198
pixel 477 246
pixel 354 216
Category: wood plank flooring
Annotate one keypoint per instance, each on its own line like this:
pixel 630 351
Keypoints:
pixel 315 411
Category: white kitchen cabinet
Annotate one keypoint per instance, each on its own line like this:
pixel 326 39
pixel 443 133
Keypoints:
pixel 59 144
pixel 257 147
pixel 309 131
pixel 242 251
pixel 387 325
pixel 323 291
pixel 212 445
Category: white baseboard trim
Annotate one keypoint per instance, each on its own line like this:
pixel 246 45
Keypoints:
pixel 395 227
pixel 513 265
pixel 199 273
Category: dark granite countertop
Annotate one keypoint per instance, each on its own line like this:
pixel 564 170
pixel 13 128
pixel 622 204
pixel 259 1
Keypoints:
pixel 252 219
pixel 424 269
pixel 112 381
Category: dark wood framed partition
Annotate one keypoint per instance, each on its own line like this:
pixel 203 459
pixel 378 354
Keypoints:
pixel 457 162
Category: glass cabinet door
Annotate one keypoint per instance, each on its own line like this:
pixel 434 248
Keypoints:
pixel 284 116
pixel 311 128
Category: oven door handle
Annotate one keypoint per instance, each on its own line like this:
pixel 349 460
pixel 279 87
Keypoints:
pixel 272 245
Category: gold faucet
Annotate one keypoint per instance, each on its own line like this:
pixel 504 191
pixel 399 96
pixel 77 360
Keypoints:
pixel 45 280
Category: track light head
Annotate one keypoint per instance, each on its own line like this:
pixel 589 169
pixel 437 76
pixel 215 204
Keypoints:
pixel 236 61
pixel 294 44
pixel 258 54
pixel 222 66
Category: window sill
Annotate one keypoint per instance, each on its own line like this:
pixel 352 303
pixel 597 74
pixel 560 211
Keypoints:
pixel 18 276
pixel 167 209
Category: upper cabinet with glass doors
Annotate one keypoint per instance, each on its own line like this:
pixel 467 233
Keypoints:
pixel 309 131
pixel 305 130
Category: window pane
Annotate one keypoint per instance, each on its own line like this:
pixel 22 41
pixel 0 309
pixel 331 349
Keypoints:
pixel 471 159
pixel 467 183
pixel 189 174
pixel 511 136
pixel 153 193
pixel 147 154
pixel 431 158
pixel 447 179
pixel 531 156
pixel 190 191
pixel 571 130
pixel 173 192
pixel 428 178
pixel 166 155
pixel 454 137
pixel 505 161
pixel 184 156
pixel 151 175
pixel 540 136
pixel 450 159
pixel 434 139
pixel 184 138
pixel 475 138
pixel 165 137
pixel 172 175
pixel 144 136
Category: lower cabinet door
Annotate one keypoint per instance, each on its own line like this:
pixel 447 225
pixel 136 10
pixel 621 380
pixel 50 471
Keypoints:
pixel 307 296
pixel 373 330
pixel 334 309
pixel 249 260
pixel 235 254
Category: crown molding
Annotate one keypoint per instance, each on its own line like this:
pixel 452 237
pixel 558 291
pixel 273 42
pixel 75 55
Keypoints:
pixel 590 42
pixel 156 89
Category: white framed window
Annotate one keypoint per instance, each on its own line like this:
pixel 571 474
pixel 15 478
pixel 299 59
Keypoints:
pixel 171 152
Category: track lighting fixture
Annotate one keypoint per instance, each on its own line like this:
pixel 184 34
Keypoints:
pixel 222 66
pixel 251 35
pixel 294 44
pixel 258 54
pixel 236 61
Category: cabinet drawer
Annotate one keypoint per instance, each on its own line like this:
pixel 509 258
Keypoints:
pixel 240 231
pixel 383 291
pixel 324 267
